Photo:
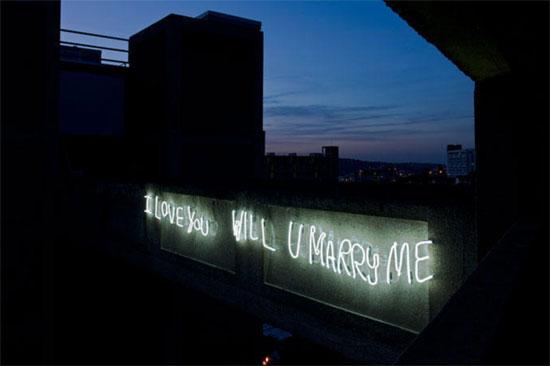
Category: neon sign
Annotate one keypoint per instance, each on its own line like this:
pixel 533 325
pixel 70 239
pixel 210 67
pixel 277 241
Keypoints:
pixel 350 258
pixel 176 215
pixel 239 224
pixel 365 264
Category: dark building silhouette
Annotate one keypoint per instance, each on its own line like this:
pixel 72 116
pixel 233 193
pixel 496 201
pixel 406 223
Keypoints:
pixel 317 167
pixel 92 114
pixel 195 99
pixel 187 109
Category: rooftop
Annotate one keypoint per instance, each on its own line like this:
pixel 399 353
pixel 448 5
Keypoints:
pixel 230 19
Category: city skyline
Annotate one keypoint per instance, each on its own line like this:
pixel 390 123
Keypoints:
pixel 349 74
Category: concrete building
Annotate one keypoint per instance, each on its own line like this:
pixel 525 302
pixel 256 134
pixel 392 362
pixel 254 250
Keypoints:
pixel 187 109
pixel 91 114
pixel 460 162
pixel 317 167
pixel 195 99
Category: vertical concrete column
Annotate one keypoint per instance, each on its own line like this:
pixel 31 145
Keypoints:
pixel 511 132
pixel 30 186
pixel 249 255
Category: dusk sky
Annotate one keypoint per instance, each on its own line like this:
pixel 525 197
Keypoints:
pixel 351 74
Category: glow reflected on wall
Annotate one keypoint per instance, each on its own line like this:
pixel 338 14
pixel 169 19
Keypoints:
pixel 373 266
pixel 189 226
pixel 352 259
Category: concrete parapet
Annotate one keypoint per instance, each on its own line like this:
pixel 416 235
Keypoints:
pixel 242 273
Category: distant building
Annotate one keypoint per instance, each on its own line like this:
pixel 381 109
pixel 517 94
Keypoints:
pixel 460 162
pixel 317 167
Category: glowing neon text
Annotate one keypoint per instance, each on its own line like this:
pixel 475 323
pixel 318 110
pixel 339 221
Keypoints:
pixel 356 259
pixel 176 215
pixel 344 256
pixel 243 220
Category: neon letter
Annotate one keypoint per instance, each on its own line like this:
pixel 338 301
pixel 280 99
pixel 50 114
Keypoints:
pixel 420 259
pixel 330 255
pixel 204 233
pixel 355 263
pixel 375 264
pixel 263 237
pixel 149 198
pixel 341 257
pixel 238 225
pixel 179 218
pixel 197 224
pixel 251 227
pixel 393 252
pixel 290 240
pixel 191 219
pixel 164 208
pixel 316 249
pixel 171 212
pixel 156 207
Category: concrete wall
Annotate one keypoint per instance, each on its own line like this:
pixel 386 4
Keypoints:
pixel 91 103
pixel 112 217
pixel 511 114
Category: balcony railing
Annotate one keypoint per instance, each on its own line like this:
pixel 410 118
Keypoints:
pixel 113 53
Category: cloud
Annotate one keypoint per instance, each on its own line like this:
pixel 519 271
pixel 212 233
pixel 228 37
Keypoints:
pixel 391 132
pixel 323 112
pixel 355 123
pixel 276 98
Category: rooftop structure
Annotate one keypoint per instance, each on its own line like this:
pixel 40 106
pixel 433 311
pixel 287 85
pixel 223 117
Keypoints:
pixel 316 167
pixel 214 16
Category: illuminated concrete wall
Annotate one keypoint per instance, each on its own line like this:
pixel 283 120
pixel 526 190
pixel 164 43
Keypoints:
pixel 191 226
pixel 349 268
pixel 375 267
pixel 234 246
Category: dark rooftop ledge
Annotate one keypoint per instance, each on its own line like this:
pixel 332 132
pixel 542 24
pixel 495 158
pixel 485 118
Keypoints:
pixel 432 203
pixel 209 19
pixel 103 69
pixel 214 16
pixel 337 197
